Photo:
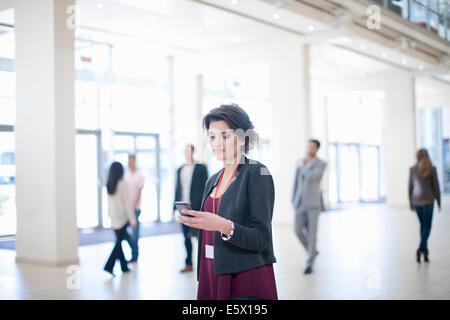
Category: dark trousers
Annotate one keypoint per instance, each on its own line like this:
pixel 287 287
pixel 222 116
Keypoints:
pixel 187 243
pixel 133 239
pixel 117 252
pixel 425 214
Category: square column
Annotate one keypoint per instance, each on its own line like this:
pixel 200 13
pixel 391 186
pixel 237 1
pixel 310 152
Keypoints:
pixel 45 133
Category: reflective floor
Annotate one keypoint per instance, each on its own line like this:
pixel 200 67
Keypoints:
pixel 365 253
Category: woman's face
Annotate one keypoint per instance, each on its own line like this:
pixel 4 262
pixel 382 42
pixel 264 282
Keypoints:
pixel 224 143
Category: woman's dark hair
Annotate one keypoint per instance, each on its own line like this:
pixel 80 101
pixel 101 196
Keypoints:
pixel 237 119
pixel 114 176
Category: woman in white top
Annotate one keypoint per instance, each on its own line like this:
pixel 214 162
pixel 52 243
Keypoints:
pixel 120 209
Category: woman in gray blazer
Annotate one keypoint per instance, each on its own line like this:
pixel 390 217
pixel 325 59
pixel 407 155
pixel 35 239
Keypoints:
pixel 235 252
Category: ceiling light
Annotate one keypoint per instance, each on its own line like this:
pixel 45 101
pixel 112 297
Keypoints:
pixel 100 5
pixel 362 73
pixel 404 61
pixel 236 40
pixel 384 54
pixel 363 47
pixel 311 28
pixel 199 30
pixel 420 67
pixel 276 16
pixel 234 2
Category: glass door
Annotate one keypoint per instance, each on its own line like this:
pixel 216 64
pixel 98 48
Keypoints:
pixel 7 183
pixel 348 162
pixel 88 179
pixel 146 148
pixel 370 173
pixel 354 173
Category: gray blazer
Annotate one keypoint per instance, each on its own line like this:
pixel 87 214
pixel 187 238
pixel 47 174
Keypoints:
pixel 248 202
pixel 307 192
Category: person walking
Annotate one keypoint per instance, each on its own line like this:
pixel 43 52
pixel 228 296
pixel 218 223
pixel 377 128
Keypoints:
pixel 190 185
pixel 307 201
pixel 235 252
pixel 423 190
pixel 120 211
pixel 135 181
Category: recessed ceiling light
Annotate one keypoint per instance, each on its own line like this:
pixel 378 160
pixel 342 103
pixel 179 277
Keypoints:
pixel 362 46
pixel 404 61
pixel 311 28
pixel 199 30
pixel 420 67
pixel 234 2
pixel 276 16
pixel 100 5
pixel 362 73
pixel 236 40
pixel 384 54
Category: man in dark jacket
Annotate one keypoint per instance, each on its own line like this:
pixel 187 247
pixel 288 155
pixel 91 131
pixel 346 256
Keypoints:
pixel 191 179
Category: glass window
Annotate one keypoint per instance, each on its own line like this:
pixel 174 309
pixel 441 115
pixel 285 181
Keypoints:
pixel 87 180
pixel 139 61
pixel 349 173
pixel 7 186
pixel 355 126
pixel 86 105
pixel 7 44
pixel 139 109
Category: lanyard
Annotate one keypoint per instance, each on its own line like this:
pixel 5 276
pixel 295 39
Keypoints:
pixel 218 185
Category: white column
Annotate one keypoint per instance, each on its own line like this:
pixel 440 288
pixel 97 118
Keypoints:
pixel 290 121
pixel 45 133
pixel 399 136
pixel 200 141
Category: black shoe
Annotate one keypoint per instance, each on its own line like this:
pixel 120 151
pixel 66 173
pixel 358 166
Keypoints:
pixel 133 260
pixel 425 255
pixel 308 270
pixel 126 270
pixel 418 254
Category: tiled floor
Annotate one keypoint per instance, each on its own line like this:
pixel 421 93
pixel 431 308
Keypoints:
pixel 365 253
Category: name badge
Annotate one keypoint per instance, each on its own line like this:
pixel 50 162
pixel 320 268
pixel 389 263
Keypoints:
pixel 209 251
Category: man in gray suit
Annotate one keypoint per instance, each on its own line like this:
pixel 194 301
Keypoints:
pixel 307 200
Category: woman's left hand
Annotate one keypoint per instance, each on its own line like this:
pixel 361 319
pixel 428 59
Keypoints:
pixel 205 221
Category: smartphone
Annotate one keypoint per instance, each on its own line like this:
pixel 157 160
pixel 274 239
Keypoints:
pixel 180 205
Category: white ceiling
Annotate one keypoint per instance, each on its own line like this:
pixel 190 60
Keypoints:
pixel 193 26
pixel 179 23
pixel 330 62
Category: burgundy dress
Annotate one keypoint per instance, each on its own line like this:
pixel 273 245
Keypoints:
pixel 256 283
